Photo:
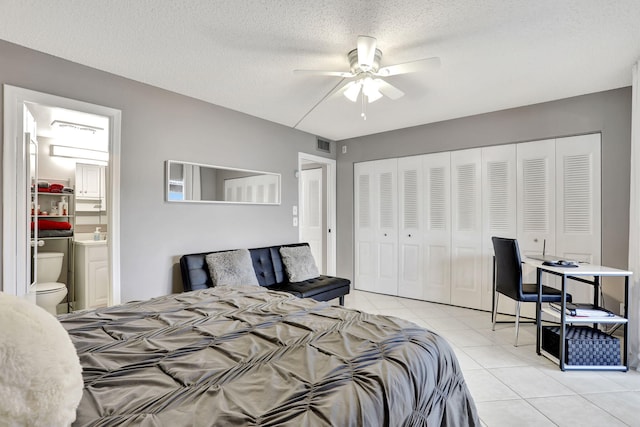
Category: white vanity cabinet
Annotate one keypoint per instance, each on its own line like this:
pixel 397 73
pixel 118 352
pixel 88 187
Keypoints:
pixel 91 274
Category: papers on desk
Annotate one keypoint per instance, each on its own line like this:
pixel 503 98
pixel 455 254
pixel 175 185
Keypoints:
pixel 582 310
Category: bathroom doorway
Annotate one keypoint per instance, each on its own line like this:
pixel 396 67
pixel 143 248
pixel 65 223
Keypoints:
pixel 317 204
pixel 71 138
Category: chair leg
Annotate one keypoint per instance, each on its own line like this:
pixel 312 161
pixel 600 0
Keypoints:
pixel 517 322
pixel 494 314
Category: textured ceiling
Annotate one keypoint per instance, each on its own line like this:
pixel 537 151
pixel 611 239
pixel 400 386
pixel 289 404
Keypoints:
pixel 240 54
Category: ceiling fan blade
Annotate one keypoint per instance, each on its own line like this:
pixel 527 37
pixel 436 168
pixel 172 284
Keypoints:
pixel 388 90
pixel 344 74
pixel 409 67
pixel 366 52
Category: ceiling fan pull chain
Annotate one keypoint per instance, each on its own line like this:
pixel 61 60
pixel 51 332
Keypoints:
pixel 363 114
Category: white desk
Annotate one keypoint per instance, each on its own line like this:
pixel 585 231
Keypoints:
pixel 588 274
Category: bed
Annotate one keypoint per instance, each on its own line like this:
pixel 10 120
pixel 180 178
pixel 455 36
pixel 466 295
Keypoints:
pixel 246 355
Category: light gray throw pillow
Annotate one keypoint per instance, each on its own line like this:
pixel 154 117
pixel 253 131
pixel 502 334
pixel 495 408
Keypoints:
pixel 299 263
pixel 231 268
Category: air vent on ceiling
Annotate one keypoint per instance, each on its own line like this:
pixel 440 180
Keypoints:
pixel 323 145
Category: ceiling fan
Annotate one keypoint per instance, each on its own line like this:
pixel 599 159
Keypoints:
pixel 365 78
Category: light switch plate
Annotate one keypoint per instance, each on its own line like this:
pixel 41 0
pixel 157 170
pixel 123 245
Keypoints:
pixel 295 221
pixel 295 210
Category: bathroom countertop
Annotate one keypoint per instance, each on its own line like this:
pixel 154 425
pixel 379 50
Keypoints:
pixel 90 242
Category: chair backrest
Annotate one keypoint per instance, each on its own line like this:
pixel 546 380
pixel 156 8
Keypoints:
pixel 508 267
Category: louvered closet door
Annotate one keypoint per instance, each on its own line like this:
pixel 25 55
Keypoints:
pixel 498 211
pixel 466 238
pixel 436 242
pixel 376 236
pixel 364 230
pixel 578 203
pixel 386 187
pixel 410 227
pixel 536 205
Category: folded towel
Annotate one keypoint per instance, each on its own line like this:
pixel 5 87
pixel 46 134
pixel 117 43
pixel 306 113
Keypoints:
pixel 46 224
pixel 56 188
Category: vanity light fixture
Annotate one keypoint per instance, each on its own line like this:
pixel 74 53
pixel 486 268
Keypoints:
pixel 76 126
pixel 79 153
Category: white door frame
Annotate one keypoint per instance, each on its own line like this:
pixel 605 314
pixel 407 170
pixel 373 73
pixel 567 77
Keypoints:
pixel 15 182
pixel 330 250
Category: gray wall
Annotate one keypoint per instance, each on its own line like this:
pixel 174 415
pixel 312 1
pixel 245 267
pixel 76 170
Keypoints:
pixel 158 125
pixel 606 112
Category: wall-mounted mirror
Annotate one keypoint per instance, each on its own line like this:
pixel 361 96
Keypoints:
pixel 194 182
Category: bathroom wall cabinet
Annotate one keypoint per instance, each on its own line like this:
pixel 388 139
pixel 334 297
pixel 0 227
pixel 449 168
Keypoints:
pixel 91 274
pixel 90 191
pixel 89 181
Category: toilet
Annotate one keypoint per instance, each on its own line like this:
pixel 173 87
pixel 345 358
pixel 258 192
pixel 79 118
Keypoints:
pixel 49 293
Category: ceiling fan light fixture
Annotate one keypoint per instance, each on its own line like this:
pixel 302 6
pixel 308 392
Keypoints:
pixel 370 89
pixel 352 91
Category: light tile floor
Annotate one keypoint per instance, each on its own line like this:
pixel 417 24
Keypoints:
pixel 512 386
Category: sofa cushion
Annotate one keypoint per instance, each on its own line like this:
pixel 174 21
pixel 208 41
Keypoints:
pixel 321 288
pixel 231 268
pixel 299 263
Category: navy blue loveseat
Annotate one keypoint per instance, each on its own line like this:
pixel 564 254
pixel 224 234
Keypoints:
pixel 270 272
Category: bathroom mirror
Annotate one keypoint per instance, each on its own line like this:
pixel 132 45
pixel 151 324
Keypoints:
pixel 194 182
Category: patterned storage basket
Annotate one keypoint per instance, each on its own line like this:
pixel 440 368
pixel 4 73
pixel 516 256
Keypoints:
pixel 584 346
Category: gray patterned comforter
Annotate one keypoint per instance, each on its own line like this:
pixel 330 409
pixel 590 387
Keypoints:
pixel 248 356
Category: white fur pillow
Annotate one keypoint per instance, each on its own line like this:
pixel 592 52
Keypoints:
pixel 40 375
pixel 299 263
pixel 231 268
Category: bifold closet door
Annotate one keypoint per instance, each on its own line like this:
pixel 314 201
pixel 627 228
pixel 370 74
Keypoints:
pixel 498 212
pixel 536 198
pixel 536 206
pixel 410 204
pixel 466 237
pixel 578 204
pixel 376 226
pixel 436 240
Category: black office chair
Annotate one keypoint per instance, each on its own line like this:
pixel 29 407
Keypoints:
pixel 508 280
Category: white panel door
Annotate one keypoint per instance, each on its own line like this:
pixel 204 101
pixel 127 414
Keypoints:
pixel 311 228
pixel 376 234
pixel 498 210
pixel 466 237
pixel 578 204
pixel 364 227
pixel 410 227
pixel 436 240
